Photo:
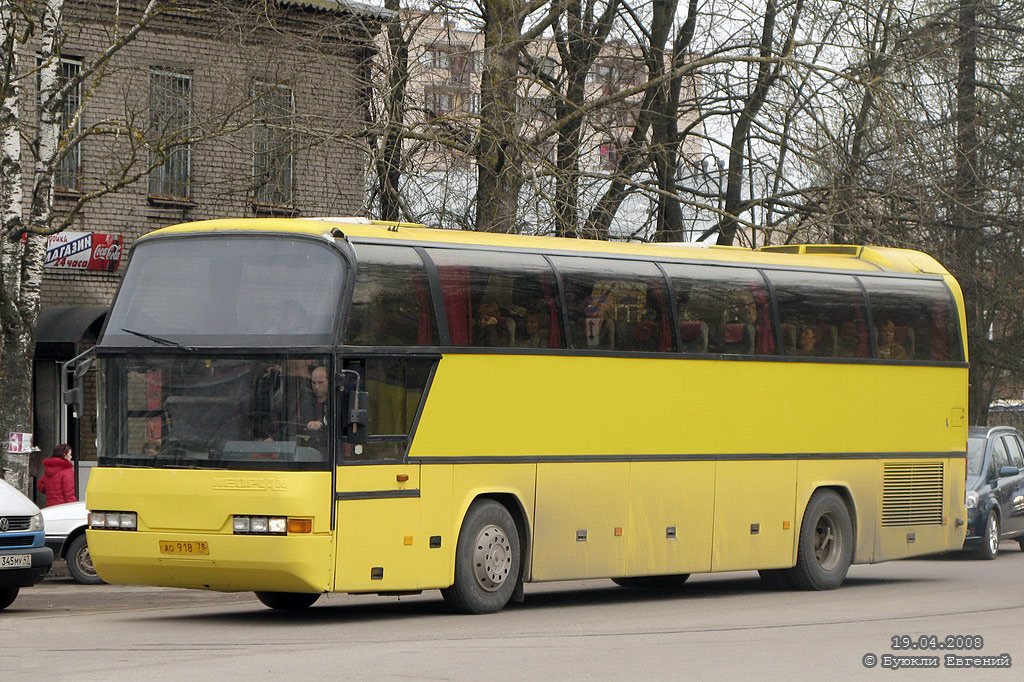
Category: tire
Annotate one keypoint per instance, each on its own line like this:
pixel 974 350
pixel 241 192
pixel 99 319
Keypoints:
pixel 1020 541
pixel 825 547
pixel 487 560
pixel 7 596
pixel 988 548
pixel 654 582
pixel 80 563
pixel 776 578
pixel 288 601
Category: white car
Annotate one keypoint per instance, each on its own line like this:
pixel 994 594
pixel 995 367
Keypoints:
pixel 65 534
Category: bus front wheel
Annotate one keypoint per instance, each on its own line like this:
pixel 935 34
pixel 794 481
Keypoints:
pixel 826 544
pixel 7 596
pixel 288 601
pixel 486 560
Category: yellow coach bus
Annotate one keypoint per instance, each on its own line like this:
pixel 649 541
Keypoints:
pixel 300 406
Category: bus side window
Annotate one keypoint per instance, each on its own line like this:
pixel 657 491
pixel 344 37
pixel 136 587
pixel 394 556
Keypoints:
pixel 391 302
pixel 499 300
pixel 616 304
pixel 916 317
pixel 732 303
pixel 822 314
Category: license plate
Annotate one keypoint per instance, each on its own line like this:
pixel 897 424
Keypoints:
pixel 184 547
pixel 15 561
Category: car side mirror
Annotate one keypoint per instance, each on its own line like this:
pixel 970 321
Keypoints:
pixel 1008 471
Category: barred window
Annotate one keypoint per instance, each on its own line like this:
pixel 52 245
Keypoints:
pixel 67 175
pixel 272 145
pixel 170 117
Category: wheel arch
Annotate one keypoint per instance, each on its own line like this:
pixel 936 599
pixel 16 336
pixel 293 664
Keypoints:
pixel 512 501
pixel 844 493
pixel 72 536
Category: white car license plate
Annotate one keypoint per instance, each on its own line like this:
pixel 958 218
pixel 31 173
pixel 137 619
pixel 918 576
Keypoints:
pixel 15 561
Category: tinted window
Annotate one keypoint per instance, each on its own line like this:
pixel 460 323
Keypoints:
pixel 913 319
pixel 730 306
pixel 616 305
pixel 1013 448
pixel 391 303
pixel 975 456
pixel 821 315
pixel 229 290
pixel 499 300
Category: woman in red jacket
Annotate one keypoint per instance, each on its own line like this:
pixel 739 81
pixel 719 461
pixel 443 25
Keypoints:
pixel 58 479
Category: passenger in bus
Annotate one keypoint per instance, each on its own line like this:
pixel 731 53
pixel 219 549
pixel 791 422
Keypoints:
pixel 493 329
pixel 151 448
pixel 849 341
pixel 535 336
pixel 807 342
pixel 887 346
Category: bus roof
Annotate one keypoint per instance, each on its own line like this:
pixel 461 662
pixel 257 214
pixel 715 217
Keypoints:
pixel 838 257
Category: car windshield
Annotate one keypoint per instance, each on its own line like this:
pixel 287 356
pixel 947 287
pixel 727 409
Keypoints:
pixel 194 411
pixel 975 456
pixel 227 290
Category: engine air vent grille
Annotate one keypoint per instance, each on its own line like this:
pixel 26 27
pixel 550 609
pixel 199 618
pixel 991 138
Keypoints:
pixel 912 494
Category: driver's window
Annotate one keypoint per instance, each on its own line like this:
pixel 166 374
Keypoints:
pixel 396 388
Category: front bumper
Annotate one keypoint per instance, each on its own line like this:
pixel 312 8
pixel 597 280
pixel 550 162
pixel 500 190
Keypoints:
pixel 42 559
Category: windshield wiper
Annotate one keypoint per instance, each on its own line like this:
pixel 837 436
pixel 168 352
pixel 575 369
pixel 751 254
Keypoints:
pixel 157 339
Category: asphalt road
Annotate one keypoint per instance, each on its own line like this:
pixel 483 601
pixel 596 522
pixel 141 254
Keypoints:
pixel 722 626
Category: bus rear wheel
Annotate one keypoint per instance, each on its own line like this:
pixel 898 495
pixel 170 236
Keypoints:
pixel 654 582
pixel 826 544
pixel 288 601
pixel 487 560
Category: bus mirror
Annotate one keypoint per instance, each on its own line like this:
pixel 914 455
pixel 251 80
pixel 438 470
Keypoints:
pixel 358 417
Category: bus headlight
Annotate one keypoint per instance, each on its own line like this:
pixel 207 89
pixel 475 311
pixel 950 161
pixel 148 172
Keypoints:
pixel 971 499
pixel 113 520
pixel 259 525
pixel 36 522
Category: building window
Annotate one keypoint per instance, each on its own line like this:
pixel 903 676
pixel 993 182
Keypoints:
pixel 67 175
pixel 439 57
pixel 438 102
pixel 170 114
pixel 609 155
pixel 272 145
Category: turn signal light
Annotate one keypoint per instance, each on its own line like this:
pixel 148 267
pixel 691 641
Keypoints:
pixel 300 525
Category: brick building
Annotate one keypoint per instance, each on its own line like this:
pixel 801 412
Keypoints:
pixel 239 108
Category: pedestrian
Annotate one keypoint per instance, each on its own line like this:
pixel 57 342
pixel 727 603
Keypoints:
pixel 58 479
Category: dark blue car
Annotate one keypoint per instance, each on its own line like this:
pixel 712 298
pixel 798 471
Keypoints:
pixel 995 489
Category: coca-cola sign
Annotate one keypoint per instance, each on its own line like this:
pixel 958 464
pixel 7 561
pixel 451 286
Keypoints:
pixel 84 251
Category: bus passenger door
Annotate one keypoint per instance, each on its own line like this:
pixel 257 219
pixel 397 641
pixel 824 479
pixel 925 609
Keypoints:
pixel 377 492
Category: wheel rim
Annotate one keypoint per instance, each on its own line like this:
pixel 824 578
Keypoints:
pixel 84 562
pixel 993 533
pixel 492 558
pixel 828 541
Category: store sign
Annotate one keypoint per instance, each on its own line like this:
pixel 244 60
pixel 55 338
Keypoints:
pixel 84 251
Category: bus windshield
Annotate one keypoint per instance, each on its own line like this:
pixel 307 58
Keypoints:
pixel 267 412
pixel 238 290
